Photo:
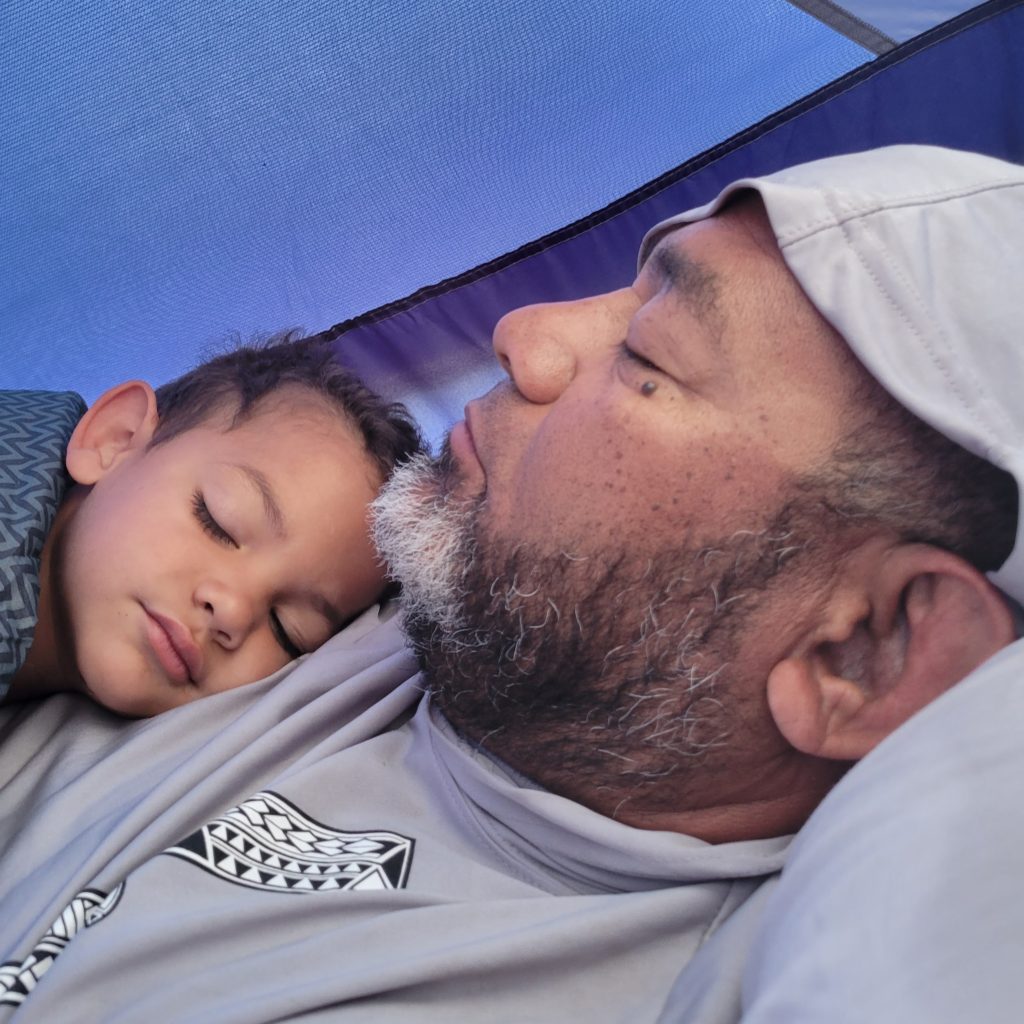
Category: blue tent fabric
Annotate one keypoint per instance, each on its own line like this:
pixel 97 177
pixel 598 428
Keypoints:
pixel 957 85
pixel 173 173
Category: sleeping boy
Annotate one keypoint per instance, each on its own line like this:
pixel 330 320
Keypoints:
pixel 210 532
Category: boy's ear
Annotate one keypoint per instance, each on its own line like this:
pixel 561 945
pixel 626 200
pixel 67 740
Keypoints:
pixel 120 421
pixel 903 624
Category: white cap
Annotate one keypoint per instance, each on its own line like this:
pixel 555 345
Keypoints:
pixel 915 254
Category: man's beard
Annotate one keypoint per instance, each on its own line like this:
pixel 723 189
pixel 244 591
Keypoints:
pixel 607 672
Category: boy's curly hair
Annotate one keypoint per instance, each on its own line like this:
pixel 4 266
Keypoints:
pixel 250 372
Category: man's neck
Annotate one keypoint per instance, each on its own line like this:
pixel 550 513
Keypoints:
pixel 777 814
pixel 761 801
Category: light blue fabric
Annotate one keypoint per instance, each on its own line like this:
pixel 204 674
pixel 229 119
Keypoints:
pixel 902 20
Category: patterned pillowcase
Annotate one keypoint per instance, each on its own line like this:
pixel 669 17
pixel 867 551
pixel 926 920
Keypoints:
pixel 35 427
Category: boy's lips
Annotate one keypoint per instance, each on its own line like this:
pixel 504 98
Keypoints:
pixel 172 643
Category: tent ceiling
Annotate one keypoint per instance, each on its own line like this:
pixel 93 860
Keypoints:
pixel 175 172
pixel 954 86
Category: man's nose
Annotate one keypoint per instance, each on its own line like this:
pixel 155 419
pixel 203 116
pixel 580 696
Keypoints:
pixel 230 612
pixel 544 347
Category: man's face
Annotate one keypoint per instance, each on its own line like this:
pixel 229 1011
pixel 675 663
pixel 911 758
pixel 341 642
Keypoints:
pixel 747 379
pixel 214 558
pixel 581 568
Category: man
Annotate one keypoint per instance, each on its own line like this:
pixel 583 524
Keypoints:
pixel 685 519
pixel 665 585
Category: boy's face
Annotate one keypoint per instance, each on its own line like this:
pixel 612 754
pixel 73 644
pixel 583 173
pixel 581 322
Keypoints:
pixel 214 558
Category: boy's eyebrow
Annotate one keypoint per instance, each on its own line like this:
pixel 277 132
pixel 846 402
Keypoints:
pixel 270 505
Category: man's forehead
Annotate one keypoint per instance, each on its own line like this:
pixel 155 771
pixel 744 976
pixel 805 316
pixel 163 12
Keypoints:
pixel 742 218
pixel 719 261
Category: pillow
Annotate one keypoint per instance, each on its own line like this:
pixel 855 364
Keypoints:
pixel 901 898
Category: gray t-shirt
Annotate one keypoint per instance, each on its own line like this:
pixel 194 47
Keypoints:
pixel 321 846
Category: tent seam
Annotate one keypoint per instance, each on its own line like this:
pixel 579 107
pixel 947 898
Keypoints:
pixel 847 24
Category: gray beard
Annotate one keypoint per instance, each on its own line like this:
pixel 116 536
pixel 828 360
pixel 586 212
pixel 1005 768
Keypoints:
pixel 604 675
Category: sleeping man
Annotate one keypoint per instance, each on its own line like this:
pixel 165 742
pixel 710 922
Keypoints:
pixel 719 534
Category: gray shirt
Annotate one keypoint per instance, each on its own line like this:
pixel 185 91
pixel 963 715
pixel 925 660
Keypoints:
pixel 320 845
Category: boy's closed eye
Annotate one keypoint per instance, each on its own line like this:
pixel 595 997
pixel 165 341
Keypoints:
pixel 205 518
pixel 285 641
pixel 214 529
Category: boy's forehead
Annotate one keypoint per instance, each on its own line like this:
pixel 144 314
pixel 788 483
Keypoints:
pixel 288 426
pixel 297 440
pixel 289 406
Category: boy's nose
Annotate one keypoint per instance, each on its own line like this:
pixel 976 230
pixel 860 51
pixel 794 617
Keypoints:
pixel 229 610
pixel 542 348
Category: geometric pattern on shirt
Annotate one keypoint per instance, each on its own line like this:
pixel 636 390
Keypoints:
pixel 19 978
pixel 35 427
pixel 268 843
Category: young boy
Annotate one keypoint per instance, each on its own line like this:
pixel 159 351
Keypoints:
pixel 211 531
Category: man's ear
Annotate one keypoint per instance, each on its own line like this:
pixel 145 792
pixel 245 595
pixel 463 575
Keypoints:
pixel 120 421
pixel 903 624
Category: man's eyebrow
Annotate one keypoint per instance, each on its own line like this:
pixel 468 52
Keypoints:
pixel 270 506
pixel 696 284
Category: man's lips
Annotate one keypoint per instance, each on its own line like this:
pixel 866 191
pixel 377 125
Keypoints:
pixel 174 648
pixel 461 440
